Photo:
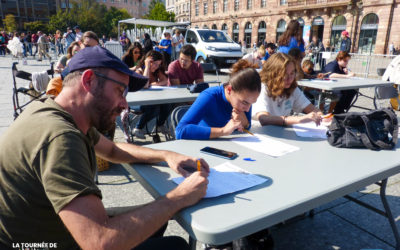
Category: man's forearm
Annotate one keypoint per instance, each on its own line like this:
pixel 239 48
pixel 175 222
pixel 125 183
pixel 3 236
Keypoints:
pixel 126 153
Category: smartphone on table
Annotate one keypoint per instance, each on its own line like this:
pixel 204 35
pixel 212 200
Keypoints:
pixel 219 153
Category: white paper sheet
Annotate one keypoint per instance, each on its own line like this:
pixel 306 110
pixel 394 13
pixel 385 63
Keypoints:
pixel 265 145
pixel 310 129
pixel 228 178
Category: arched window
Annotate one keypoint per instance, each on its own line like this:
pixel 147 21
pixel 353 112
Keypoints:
pixel 262 30
pixel 247 34
pixel 224 27
pixel 205 26
pixel 369 29
pixel 338 25
pixel 235 31
pixel 214 27
pixel 280 28
pixel 317 28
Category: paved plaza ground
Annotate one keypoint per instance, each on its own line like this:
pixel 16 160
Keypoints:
pixel 337 225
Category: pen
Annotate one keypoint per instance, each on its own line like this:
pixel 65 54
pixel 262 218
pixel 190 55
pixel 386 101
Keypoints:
pixel 245 130
pixel 198 165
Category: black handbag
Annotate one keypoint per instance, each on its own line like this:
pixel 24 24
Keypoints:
pixel 198 87
pixel 377 129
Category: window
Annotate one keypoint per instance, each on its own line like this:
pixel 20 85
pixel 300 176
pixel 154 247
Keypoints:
pixel 214 36
pixel 191 37
pixel 249 4
pixel 224 27
pixel 214 27
pixel 262 30
pixel 280 28
pixel 236 6
pixel 205 8
pixel 225 6
pixel 369 29
pixel 283 2
pixel 196 9
pixel 214 7
pixel 187 7
pixel 338 25
pixel 247 34
pixel 263 3
pixel 235 29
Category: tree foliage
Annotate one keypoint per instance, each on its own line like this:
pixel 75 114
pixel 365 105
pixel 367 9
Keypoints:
pixel 36 26
pixel 9 22
pixel 89 15
pixel 157 11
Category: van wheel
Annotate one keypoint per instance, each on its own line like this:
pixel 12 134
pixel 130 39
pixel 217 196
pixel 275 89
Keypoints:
pixel 200 60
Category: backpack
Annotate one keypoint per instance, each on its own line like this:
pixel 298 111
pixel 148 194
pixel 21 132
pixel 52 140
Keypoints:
pixel 375 130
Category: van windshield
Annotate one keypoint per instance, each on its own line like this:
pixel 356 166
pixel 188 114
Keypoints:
pixel 214 36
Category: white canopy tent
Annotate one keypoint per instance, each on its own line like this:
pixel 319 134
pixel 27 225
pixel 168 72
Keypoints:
pixel 149 22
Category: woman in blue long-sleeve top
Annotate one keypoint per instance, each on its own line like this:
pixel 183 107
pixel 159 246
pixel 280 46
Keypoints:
pixel 292 38
pixel 220 110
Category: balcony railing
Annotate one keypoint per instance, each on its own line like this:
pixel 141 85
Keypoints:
pixel 307 3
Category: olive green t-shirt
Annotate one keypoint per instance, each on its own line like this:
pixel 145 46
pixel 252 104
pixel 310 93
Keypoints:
pixel 45 162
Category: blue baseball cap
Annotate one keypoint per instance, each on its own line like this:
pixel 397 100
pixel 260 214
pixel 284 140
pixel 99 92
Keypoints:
pixel 99 57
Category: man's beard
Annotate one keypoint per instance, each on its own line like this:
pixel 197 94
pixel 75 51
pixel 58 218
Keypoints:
pixel 103 113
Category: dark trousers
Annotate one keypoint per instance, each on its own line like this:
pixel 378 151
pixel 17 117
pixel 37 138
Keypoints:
pixel 345 100
pixel 151 111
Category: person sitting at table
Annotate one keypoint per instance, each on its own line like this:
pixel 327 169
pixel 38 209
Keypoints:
pixel 185 70
pixel 71 51
pixel 269 51
pixel 220 110
pixel 152 67
pixel 338 69
pixel 256 56
pixel 133 56
pixel 280 95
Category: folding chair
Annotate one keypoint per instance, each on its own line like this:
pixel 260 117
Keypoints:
pixel 384 93
pixel 175 117
pixel 26 91
pixel 211 67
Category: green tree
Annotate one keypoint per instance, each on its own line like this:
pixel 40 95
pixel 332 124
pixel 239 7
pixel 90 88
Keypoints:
pixel 9 22
pixel 36 26
pixel 89 15
pixel 157 11
pixel 112 17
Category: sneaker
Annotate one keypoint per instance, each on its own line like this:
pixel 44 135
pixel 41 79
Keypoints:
pixel 139 133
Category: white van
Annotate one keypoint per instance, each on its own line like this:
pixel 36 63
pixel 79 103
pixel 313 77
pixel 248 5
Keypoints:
pixel 214 46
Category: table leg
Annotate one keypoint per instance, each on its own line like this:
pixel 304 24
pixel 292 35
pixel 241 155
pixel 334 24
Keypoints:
pixel 386 212
pixel 192 243
pixel 319 99
pixel 389 214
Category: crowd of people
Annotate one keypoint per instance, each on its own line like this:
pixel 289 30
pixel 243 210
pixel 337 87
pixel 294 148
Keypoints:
pixel 47 188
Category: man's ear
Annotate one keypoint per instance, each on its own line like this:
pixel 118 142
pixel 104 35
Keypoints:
pixel 87 80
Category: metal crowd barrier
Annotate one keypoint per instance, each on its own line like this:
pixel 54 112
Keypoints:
pixel 363 65
pixel 115 48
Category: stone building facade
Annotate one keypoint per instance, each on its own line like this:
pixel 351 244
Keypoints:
pixel 372 24
pixel 181 8
pixel 136 8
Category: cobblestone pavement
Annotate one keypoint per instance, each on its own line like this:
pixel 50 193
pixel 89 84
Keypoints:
pixel 337 225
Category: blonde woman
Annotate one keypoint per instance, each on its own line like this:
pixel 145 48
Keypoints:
pixel 256 57
pixel 280 95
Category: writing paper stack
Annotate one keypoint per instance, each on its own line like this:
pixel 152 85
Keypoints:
pixel 310 129
pixel 228 178
pixel 265 145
